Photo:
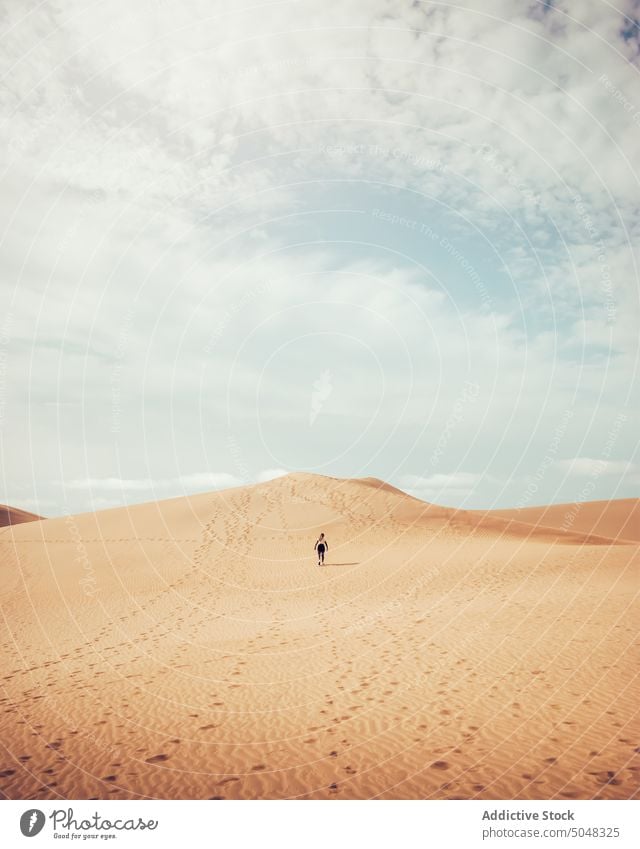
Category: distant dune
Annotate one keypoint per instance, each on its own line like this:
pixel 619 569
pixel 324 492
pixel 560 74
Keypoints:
pixel 13 516
pixel 192 648
pixel 618 520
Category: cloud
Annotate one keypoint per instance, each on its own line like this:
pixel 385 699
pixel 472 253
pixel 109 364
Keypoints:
pixel 589 466
pixel 192 482
pixel 438 481
pixel 270 474
pixel 110 484
pixel 452 489
pixel 190 244
pixel 209 480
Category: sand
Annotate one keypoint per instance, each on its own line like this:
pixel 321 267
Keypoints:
pixel 13 516
pixel 619 520
pixel 192 648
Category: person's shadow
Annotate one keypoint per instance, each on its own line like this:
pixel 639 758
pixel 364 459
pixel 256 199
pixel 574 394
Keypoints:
pixel 341 564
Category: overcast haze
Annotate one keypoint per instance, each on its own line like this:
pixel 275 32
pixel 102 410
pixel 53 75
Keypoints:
pixel 354 238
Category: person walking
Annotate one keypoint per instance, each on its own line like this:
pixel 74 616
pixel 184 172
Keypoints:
pixel 321 546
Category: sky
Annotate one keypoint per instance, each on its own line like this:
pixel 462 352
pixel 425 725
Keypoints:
pixel 358 238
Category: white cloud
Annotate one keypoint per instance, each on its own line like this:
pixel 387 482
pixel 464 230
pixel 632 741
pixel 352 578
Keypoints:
pixel 590 466
pixel 209 480
pixel 166 160
pixel 270 474
pixel 108 484
pixel 190 482
pixel 196 481
pixel 439 481
pixel 450 489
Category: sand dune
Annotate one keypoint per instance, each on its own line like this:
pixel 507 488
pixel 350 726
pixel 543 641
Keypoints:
pixel 192 648
pixel 13 516
pixel 618 520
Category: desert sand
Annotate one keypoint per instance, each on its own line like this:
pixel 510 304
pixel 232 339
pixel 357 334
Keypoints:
pixel 13 516
pixel 192 648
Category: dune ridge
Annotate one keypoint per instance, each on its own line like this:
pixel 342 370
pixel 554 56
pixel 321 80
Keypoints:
pixel 192 648
pixel 15 516
pixel 617 520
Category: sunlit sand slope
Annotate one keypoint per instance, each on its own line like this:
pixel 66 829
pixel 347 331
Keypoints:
pixel 13 516
pixel 193 648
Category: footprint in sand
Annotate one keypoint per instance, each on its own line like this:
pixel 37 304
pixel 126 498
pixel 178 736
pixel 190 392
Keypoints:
pixel 156 759
pixel 440 765
pixel 608 777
